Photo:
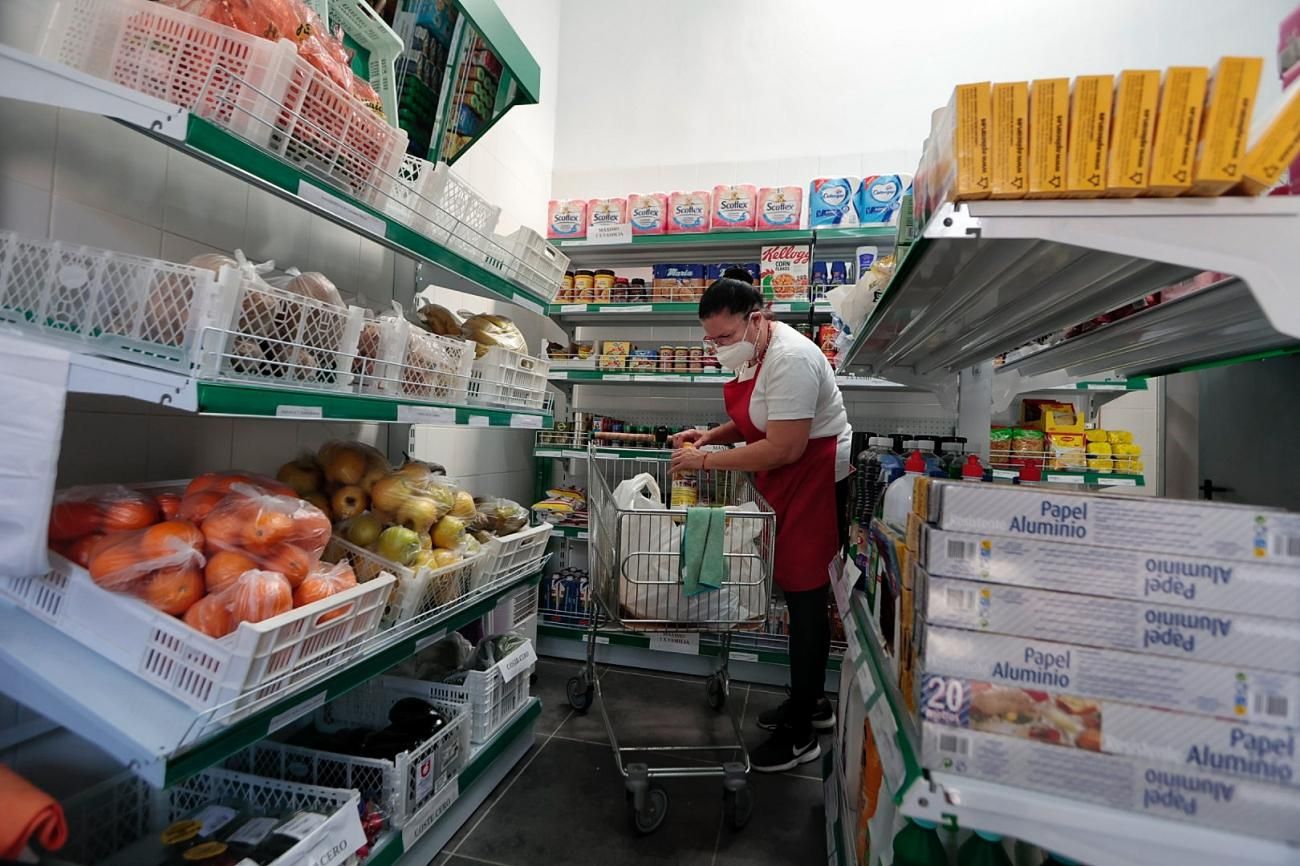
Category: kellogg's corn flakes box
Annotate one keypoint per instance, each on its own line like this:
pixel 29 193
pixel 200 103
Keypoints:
pixel 733 208
pixel 688 212
pixel 783 271
pixel 779 207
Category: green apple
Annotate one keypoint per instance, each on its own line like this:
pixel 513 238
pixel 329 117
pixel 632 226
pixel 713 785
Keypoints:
pixel 398 544
pixel 364 529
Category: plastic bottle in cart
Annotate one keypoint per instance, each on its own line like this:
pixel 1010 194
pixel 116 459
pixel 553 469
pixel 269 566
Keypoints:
pixel 983 849
pixel 685 490
pixel 972 469
pixel 933 466
pixel 898 498
pixel 918 844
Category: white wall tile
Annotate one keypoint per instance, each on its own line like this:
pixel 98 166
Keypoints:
pixel 176 248
pixel 262 445
pixel 81 224
pixel 332 250
pixel 110 167
pixel 27 146
pixel 180 446
pixel 24 208
pixel 275 229
pixel 203 203
pixel 101 448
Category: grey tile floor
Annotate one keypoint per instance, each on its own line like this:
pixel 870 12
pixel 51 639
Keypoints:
pixel 564 802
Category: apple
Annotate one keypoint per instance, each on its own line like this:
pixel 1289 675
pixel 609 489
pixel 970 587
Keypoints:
pixel 419 513
pixel 364 529
pixel 321 501
pixel 398 544
pixel 348 502
pixel 303 476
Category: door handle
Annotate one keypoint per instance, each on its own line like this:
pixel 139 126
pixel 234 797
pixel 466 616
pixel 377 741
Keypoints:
pixel 1209 488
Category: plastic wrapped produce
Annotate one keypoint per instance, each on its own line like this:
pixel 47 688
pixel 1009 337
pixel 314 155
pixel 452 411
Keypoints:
pixel 127 561
pixel 351 463
pixel 503 516
pixel 325 580
pixel 259 595
pixel 280 533
pixel 487 330
pixel 440 320
pixel 79 511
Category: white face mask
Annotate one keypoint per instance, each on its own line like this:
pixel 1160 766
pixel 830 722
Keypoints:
pixel 737 354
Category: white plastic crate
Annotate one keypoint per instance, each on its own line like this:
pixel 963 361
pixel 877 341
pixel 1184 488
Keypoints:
pixel 364 26
pixel 413 363
pixel 400 786
pixel 514 611
pixel 411 201
pixel 467 217
pixel 494 695
pixel 534 263
pixel 119 821
pixel 136 309
pixel 517 553
pixel 281 337
pixel 506 378
pixel 421 592
pixel 231 676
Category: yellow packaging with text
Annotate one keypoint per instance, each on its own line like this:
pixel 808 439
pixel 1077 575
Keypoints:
pixel 1010 139
pixel 1049 114
pixel 1132 131
pixel 1091 98
pixel 1178 129
pixel 1221 152
pixel 968 132
pixel 1274 143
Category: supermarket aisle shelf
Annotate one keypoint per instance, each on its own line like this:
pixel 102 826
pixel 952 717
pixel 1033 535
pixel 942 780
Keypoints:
pixel 718 246
pixel 987 277
pixel 663 312
pixel 158 737
pixel 611 377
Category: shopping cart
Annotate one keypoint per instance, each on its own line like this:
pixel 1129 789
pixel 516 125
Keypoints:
pixel 637 587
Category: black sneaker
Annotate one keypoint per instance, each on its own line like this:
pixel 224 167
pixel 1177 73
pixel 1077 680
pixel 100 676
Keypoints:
pixel 823 718
pixel 780 753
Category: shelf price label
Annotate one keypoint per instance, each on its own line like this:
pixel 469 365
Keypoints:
pixel 686 643
pixel 479 421
pixel 628 308
pixel 781 308
pixel 526 422
pixel 338 207
pixel 528 304
pixel 743 657
pixel 886 737
pixel 1064 479
pixel 429 814
pixel 609 234
pixel 573 308
pixel 305 412
pixel 518 662
pixel 407 414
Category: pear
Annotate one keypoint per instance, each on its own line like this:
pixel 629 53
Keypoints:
pixel 398 544
pixel 364 529
pixel 321 501
pixel 389 493
pixel 419 513
pixel 343 464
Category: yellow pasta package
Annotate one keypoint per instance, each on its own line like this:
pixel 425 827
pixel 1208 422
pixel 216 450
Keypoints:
pixel 1049 114
pixel 1132 130
pixel 1221 152
pixel 1090 105
pixel 1178 128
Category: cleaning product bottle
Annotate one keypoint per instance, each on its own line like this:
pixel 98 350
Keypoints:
pixel 685 490
pixel 983 849
pixel 933 466
pixel 972 470
pixel 898 498
pixel 918 844
pixel 951 456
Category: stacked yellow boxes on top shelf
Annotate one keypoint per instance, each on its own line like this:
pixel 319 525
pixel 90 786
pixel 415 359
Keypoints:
pixel 1133 653
pixel 1125 135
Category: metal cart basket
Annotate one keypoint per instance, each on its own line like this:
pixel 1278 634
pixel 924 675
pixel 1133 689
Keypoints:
pixel 637 585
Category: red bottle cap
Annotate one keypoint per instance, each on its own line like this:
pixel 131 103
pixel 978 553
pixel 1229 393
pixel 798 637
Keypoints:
pixel 1031 473
pixel 972 469
pixel 915 463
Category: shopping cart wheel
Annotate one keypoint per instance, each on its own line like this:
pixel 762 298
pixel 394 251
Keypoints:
pixel 715 690
pixel 653 810
pixel 737 806
pixel 580 693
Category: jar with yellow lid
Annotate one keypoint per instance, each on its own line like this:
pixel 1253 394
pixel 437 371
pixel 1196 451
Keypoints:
pixel 604 285
pixel 584 287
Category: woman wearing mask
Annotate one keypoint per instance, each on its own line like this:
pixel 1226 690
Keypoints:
pixel 784 404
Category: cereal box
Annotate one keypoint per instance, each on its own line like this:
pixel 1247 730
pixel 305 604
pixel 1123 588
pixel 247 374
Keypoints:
pixel 733 208
pixel 688 212
pixel 1049 113
pixel 879 198
pixel 783 271
pixel 1132 131
pixel 830 201
pixel 1009 147
pixel 779 207
pixel 566 219
pixel 648 213
pixel 1178 124
pixel 1221 154
pixel 1090 111
pixel 606 212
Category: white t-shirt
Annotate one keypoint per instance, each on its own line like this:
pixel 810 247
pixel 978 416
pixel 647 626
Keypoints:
pixel 797 382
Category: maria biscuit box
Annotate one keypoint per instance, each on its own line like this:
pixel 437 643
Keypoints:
pixel 1196 743
pixel 1242 694
pixel 1185 633
pixel 1178 127
pixel 1182 526
pixel 1136 785
pixel 1136 575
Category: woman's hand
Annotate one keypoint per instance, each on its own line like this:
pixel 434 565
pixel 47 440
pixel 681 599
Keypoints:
pixel 688 435
pixel 688 459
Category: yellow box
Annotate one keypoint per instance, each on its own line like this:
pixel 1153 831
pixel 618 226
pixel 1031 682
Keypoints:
pixel 1221 152
pixel 1049 114
pixel 1131 132
pixel 1085 167
pixel 1009 146
pixel 1178 129
pixel 968 119
pixel 1274 144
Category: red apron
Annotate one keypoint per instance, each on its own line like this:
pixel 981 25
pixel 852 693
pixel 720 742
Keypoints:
pixel 801 493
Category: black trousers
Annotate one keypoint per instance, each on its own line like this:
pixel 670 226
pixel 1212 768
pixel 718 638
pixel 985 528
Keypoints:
pixel 810 639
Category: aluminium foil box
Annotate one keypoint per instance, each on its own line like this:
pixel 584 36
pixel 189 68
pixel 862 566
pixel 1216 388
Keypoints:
pixel 1131 784
pixel 1136 575
pixel 1186 527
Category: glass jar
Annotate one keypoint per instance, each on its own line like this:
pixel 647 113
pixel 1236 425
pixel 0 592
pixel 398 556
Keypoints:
pixel 584 287
pixel 604 285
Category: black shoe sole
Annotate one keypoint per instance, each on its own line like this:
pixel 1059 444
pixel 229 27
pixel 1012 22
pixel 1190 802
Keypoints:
pixel 818 724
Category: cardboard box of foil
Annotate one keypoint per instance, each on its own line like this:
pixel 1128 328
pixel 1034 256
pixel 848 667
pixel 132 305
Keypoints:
pixel 1067 617
pixel 1195 743
pixel 1159 578
pixel 1243 694
pixel 1180 526
pixel 1132 784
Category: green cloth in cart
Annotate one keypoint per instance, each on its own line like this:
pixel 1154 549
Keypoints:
pixel 703 546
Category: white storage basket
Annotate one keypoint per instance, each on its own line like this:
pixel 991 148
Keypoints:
pixel 514 611
pixel 136 309
pixel 493 699
pixel 413 199
pixel 534 263
pixel 413 363
pixel 517 553
pixel 400 786
pixel 506 378
pixel 119 821
pixel 422 592
pixel 231 676
pixel 468 219
pixel 279 337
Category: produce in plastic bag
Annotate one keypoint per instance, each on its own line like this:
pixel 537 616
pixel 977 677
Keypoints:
pixel 487 330
pixel 440 320
pixel 211 616
pixel 126 561
pixel 258 596
pixel 79 511
pixel 502 516
pixel 280 533
pixel 311 284
pixel 175 590
pixel 351 463
pixel 413 499
pixel 324 581
pixel 224 568
pixel 438 661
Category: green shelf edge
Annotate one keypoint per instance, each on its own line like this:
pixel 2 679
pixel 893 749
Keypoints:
pixel 557 453
pixel 248 731
pixel 686 241
pixel 224 398
pixel 642 377
pixel 395 848
pixel 641 641
pixel 242 156
pixel 684 308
